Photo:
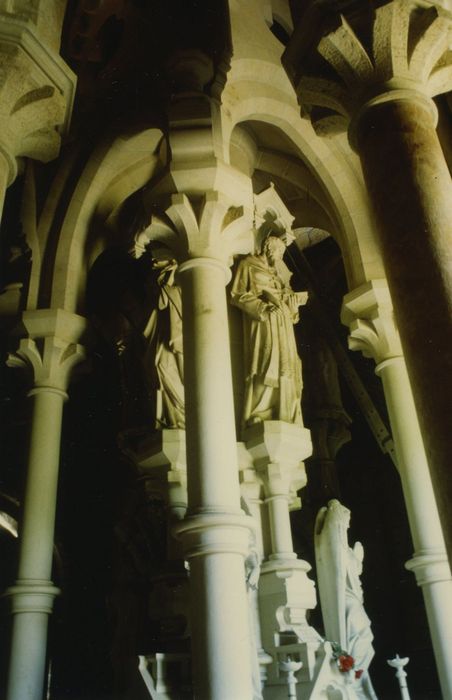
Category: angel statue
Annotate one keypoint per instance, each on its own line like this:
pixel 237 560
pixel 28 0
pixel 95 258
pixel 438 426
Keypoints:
pixel 261 289
pixel 339 569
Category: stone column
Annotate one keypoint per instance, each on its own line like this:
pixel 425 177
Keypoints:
pixel 208 221
pixel 368 312
pixel 383 95
pixel 51 351
pixel 216 533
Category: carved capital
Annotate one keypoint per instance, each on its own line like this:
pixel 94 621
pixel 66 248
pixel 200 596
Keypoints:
pixel 430 567
pixel 50 349
pixel 362 55
pixel 36 86
pixel 368 312
pixel 211 228
pixel 277 449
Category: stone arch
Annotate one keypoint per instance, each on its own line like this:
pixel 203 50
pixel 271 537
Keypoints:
pixel 338 177
pixel 119 166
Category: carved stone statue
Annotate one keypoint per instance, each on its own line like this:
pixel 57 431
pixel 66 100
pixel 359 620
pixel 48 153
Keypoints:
pixel 164 355
pixel 339 569
pixel 261 289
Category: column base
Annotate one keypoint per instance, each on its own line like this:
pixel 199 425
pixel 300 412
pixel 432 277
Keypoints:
pixel 212 532
pixel 32 596
pixel 429 567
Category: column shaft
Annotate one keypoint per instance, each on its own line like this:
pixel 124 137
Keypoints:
pixel 411 190
pixel 220 628
pixel 33 593
pixel 216 536
pixel 429 561
pixel 281 533
pixel 28 656
pixel 211 440
pixel 37 532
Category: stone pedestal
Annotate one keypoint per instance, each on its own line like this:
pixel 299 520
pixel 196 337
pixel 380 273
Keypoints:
pixel 285 591
pixel 161 462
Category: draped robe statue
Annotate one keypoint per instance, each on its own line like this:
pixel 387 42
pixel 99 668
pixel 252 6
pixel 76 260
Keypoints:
pixel 262 291
pixel 164 355
pixel 339 569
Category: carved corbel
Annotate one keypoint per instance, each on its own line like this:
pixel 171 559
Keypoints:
pixel 368 312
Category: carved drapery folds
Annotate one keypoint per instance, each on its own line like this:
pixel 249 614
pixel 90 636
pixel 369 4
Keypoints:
pixel 210 229
pixel 163 360
pixel 262 291
pixel 270 308
pixel 339 569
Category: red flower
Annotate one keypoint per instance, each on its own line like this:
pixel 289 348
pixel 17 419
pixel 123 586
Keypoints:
pixel 346 663
pixel 359 673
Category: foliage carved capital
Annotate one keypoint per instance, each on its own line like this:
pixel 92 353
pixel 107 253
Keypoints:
pixel 208 228
pixel 368 313
pixel 361 55
pixel 50 349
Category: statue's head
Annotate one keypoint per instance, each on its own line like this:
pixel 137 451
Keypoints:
pixel 339 513
pixel 274 248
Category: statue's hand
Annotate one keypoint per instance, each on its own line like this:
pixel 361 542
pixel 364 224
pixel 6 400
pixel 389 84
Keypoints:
pixel 272 309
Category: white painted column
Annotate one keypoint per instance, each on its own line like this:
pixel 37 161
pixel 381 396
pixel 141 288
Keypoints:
pixel 215 533
pixel 281 533
pixel 429 562
pixel 33 594
pixel 368 312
